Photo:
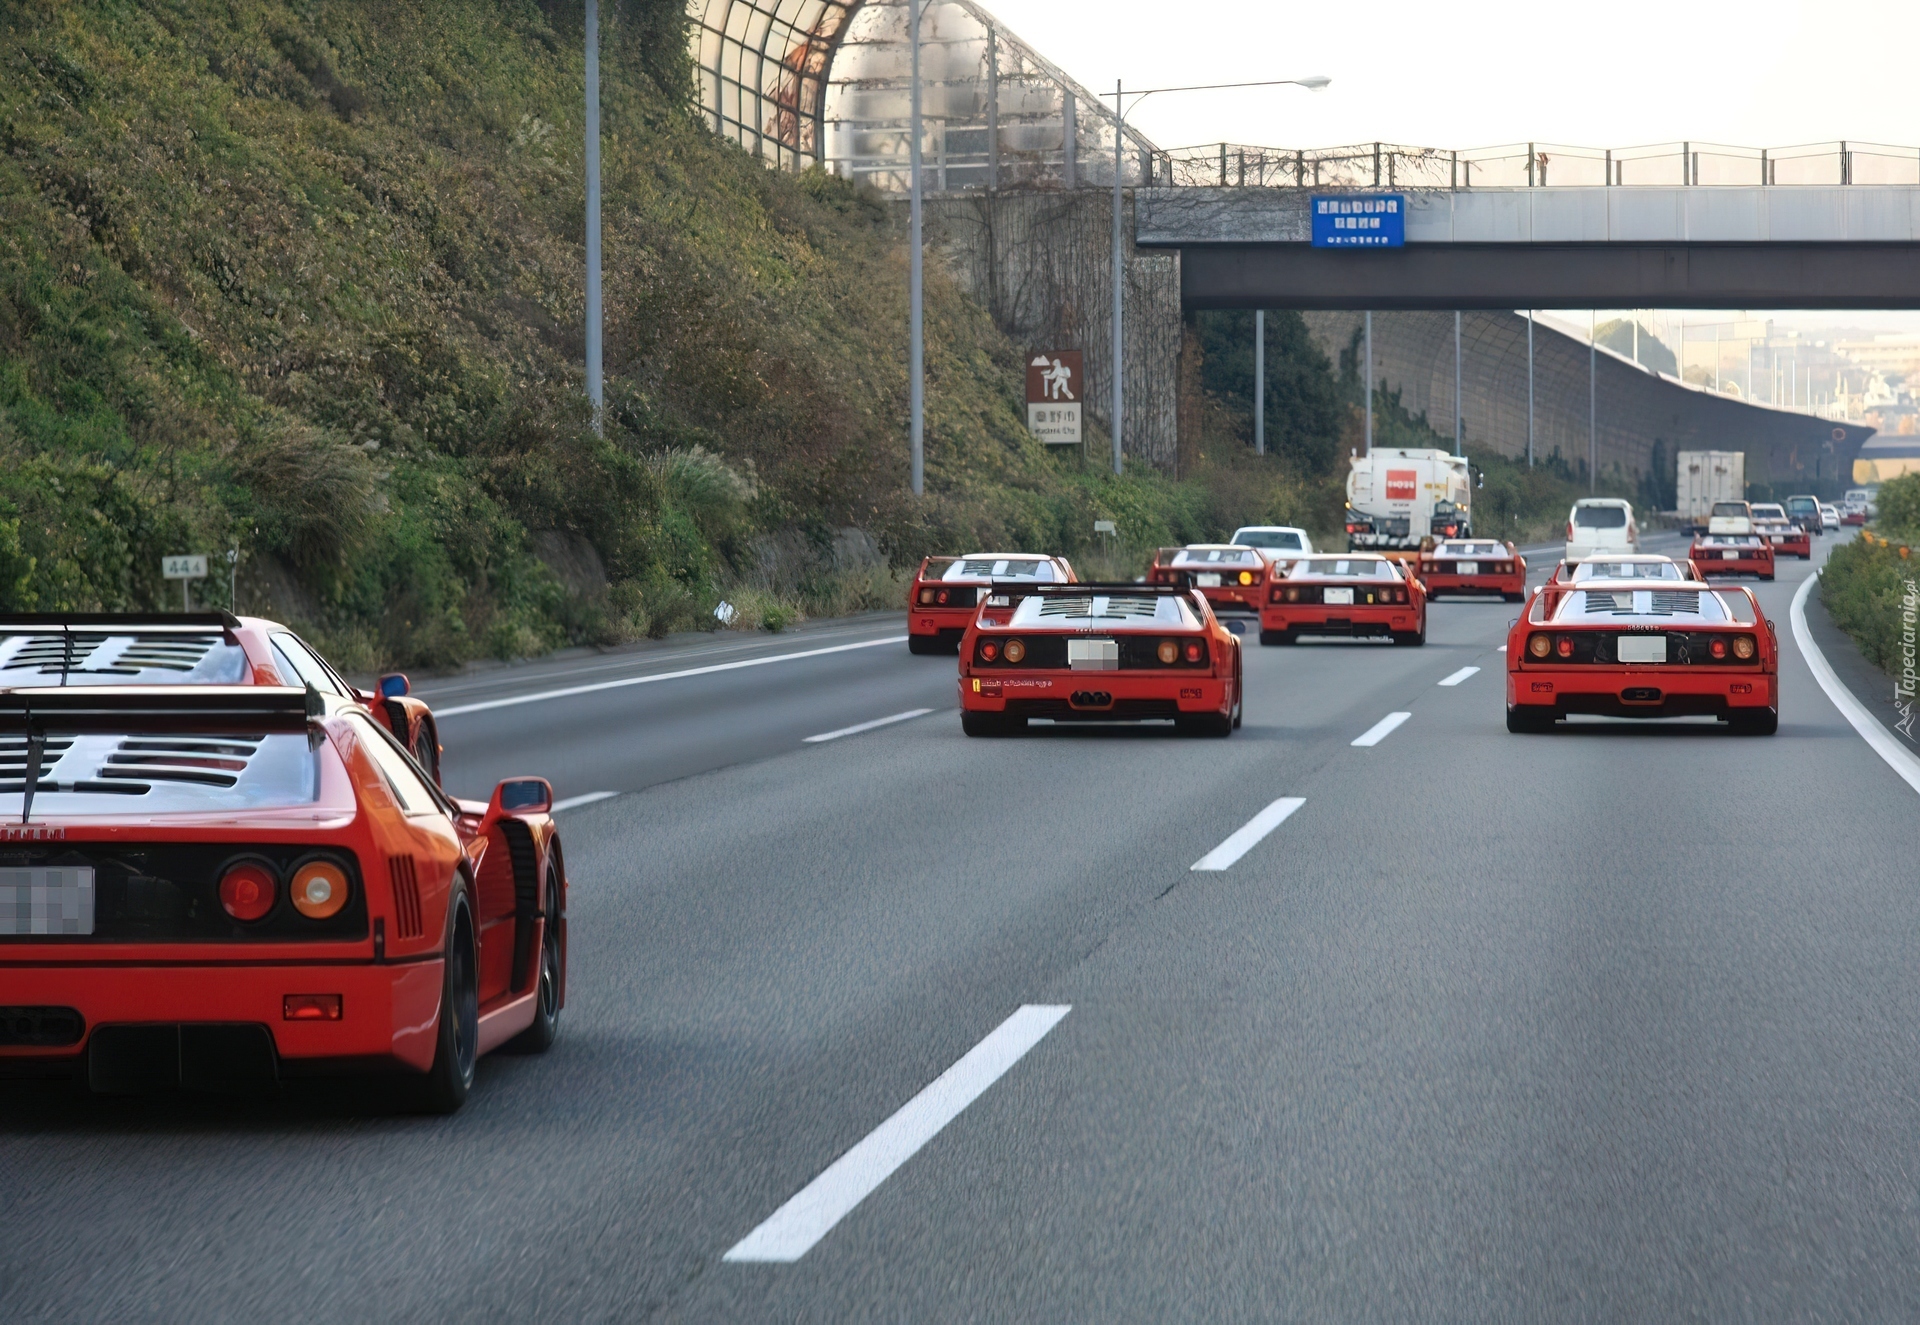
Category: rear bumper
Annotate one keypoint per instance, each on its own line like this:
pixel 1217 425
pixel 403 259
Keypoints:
pixel 389 1013
pixel 1651 692
pixel 1319 619
pixel 946 622
pixel 1474 584
pixel 1093 696
pixel 1236 599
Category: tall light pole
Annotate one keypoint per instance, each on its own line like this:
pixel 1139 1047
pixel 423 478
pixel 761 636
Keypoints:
pixel 1459 432
pixel 1529 388
pixel 916 336
pixel 1593 406
pixel 1366 382
pixel 1259 381
pixel 596 389
pixel 1313 84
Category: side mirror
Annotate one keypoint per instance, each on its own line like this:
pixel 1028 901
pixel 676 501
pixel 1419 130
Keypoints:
pixel 521 796
pixel 393 685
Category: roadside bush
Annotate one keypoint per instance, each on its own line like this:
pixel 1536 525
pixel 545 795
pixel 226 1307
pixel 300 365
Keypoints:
pixel 1867 584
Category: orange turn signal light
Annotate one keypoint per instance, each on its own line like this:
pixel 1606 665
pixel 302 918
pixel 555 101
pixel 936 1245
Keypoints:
pixel 1540 645
pixel 310 1007
pixel 319 889
pixel 1016 651
pixel 1743 646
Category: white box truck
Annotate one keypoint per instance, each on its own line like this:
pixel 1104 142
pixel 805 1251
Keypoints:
pixel 1397 496
pixel 1706 477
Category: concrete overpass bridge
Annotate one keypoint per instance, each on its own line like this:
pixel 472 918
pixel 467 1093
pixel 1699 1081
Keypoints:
pixel 1020 162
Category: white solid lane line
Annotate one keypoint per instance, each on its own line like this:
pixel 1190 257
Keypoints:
pixel 624 681
pixel 1899 760
pixel 791 1231
pixel 1248 836
pixel 1378 732
pixel 588 799
pixel 1459 676
pixel 1502 649
pixel 859 727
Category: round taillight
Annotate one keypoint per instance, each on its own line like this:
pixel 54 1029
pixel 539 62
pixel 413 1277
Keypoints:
pixel 942 598
pixel 1718 648
pixel 1193 652
pixel 1169 651
pixel 1016 651
pixel 1743 646
pixel 1293 593
pixel 1564 646
pixel 926 595
pixel 319 889
pixel 1539 646
pixel 247 890
pixel 1246 577
pixel 989 650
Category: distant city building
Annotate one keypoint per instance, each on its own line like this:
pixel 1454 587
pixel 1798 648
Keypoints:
pixel 1896 355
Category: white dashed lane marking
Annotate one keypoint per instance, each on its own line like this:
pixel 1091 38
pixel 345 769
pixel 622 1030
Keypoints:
pixel 1248 836
pixel 790 1232
pixel 1459 676
pixel 1381 729
pixel 859 727
pixel 589 798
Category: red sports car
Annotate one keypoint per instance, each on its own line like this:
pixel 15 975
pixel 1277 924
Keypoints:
pixel 946 591
pixel 1352 593
pixel 218 886
pixel 1098 653
pixel 1474 566
pixel 213 648
pixel 1231 577
pixel 1639 648
pixel 1786 538
pixel 1733 554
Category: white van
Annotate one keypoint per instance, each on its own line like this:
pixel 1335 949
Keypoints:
pixel 1601 524
pixel 1279 544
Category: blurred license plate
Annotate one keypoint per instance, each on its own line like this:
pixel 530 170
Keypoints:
pixel 1466 568
pixel 1643 648
pixel 47 900
pixel 1729 555
pixel 1338 597
pixel 1093 655
pixel 1207 579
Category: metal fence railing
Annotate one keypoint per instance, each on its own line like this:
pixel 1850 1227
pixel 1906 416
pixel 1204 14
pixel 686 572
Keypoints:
pixel 1536 165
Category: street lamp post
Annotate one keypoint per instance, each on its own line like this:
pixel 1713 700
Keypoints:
pixel 596 390
pixel 916 336
pixel 1313 84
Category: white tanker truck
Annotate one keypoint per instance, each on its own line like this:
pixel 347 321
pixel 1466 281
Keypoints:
pixel 1397 496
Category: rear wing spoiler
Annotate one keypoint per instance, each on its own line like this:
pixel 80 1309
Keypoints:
pixel 1002 593
pixel 197 622
pixel 128 709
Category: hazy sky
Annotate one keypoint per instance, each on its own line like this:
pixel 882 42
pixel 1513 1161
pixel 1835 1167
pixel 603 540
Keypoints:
pixel 1474 73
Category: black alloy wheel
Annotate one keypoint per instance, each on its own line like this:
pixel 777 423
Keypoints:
pixel 539 1037
pixel 426 751
pixel 928 644
pixel 457 1045
pixel 1766 722
pixel 1276 637
pixel 991 724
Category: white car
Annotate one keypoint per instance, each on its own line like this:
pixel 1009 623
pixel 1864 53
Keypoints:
pixel 1278 543
pixel 1598 525
pixel 1830 516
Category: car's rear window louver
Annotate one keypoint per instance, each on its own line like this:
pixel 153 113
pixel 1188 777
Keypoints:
pixel 1131 606
pixel 212 763
pixel 1075 606
pixel 1668 601
pixel 1609 604
pixel 73 652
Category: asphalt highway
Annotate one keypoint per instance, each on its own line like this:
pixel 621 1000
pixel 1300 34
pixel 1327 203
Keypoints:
pixel 1617 1023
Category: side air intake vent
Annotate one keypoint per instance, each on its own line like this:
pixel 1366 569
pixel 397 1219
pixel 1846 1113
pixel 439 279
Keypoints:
pixel 405 877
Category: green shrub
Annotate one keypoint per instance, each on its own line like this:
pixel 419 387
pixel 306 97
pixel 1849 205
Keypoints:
pixel 1865 586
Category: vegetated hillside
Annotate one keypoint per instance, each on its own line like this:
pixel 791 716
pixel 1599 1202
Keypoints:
pixel 304 277
pixel 1868 584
